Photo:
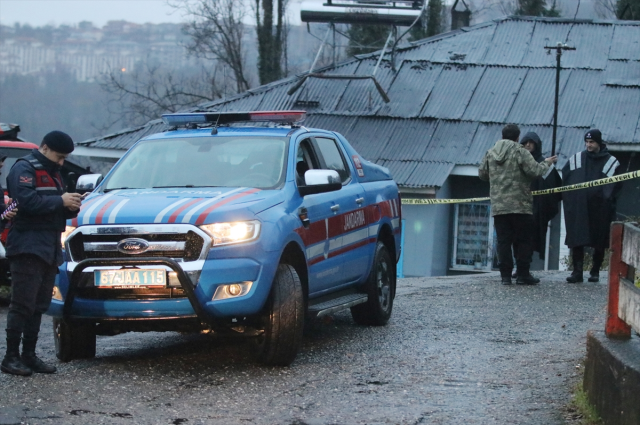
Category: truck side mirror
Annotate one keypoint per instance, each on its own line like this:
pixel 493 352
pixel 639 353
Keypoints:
pixel 320 181
pixel 88 182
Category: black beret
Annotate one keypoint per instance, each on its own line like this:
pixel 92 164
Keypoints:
pixel 58 141
pixel 594 134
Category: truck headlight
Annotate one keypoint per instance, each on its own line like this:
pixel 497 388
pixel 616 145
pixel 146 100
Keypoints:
pixel 67 231
pixel 230 233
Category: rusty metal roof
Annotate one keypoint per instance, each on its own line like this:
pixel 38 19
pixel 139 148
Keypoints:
pixel 451 94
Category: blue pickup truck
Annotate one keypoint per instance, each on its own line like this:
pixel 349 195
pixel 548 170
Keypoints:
pixel 234 223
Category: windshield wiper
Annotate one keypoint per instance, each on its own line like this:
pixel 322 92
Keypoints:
pixel 187 185
pixel 115 188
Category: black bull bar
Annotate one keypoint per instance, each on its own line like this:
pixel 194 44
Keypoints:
pixel 184 280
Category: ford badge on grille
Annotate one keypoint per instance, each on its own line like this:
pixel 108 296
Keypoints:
pixel 133 246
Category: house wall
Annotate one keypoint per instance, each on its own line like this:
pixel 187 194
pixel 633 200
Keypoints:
pixel 425 239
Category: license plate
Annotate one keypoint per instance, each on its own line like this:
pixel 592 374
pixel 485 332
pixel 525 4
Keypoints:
pixel 130 278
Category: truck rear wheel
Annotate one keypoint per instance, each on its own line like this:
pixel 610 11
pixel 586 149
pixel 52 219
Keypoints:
pixel 282 320
pixel 74 340
pixel 381 288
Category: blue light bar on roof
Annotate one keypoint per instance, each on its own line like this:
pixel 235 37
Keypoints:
pixel 183 119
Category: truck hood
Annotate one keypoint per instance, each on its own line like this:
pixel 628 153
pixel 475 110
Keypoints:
pixel 193 205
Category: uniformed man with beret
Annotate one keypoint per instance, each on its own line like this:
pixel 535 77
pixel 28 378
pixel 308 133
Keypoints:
pixel 588 213
pixel 33 247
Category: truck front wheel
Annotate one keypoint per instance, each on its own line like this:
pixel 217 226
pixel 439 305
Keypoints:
pixel 282 320
pixel 74 340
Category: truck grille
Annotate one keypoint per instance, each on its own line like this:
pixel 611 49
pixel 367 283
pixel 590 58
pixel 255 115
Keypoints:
pixel 183 246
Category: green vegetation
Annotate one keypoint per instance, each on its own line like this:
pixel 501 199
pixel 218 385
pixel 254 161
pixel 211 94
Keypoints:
pixel 580 409
pixel 628 10
pixel 537 8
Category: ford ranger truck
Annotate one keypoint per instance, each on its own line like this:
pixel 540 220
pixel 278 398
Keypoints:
pixel 233 223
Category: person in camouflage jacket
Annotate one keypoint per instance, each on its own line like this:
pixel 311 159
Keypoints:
pixel 510 169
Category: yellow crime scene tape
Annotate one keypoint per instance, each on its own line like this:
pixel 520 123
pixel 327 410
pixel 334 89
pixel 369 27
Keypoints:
pixel 594 183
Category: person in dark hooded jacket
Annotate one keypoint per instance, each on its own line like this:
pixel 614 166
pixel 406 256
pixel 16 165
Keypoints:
pixel 545 207
pixel 588 213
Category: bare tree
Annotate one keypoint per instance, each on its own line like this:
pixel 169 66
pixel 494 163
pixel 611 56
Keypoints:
pixel 147 92
pixel 216 29
pixel 606 8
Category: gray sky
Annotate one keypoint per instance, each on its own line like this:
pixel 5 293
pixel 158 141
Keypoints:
pixel 56 12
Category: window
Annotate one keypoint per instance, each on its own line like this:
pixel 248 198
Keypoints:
pixel 473 238
pixel 333 159
pixel 305 160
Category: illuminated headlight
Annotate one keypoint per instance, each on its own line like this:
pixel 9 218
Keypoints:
pixel 232 290
pixel 57 295
pixel 229 233
pixel 65 234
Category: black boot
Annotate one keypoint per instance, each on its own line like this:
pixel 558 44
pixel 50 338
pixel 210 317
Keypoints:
pixel 594 274
pixel 527 279
pixel 30 359
pixel 12 363
pixel 576 275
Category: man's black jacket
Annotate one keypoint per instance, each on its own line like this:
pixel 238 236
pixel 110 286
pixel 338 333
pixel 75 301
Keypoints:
pixel 36 183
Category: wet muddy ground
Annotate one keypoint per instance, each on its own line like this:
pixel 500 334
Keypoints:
pixel 457 350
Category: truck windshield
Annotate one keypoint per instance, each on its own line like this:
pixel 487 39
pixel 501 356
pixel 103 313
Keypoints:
pixel 198 162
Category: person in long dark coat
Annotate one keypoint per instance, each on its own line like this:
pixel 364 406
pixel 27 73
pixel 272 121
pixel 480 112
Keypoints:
pixel 588 213
pixel 545 207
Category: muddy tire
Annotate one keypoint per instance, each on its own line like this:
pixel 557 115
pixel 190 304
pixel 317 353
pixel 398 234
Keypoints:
pixel 381 289
pixel 282 320
pixel 74 340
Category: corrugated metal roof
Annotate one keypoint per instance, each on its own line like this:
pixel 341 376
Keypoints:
pixel 454 87
pixel 450 142
pixel 579 100
pixel 495 94
pixel 592 43
pixel 361 96
pixel 464 49
pixel 370 135
pixel 451 94
pixel 619 126
pixel 545 34
pixel 400 170
pixel 623 73
pixel 331 122
pixel 484 137
pixel 411 88
pixel 510 42
pixel 429 174
pixel 625 43
pixel 534 103
pixel 409 139
pixel 570 140
pixel 327 92
pixel 423 51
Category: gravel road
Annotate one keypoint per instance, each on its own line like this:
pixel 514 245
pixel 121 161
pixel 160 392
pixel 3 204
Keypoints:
pixel 458 350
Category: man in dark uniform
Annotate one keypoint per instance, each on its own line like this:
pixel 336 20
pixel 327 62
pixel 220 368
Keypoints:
pixel 588 213
pixel 33 247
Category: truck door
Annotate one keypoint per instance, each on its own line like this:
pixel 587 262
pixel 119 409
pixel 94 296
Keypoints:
pixel 338 219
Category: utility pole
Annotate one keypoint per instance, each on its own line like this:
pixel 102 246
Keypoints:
pixel 559 48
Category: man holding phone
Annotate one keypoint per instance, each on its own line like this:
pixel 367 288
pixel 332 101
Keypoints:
pixel 33 247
